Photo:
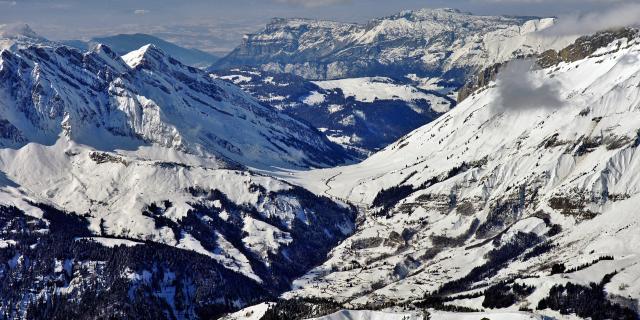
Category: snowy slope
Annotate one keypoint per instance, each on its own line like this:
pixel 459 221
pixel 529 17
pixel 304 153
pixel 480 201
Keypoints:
pixel 257 226
pixel 500 189
pixel 148 97
pixel 436 315
pixel 148 162
pixel 251 313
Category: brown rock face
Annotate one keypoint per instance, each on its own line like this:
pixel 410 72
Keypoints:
pixel 584 47
pixel 580 49
pixel 480 80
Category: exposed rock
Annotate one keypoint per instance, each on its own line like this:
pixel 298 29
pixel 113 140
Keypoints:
pixel 422 42
pixel 580 49
pixel 584 47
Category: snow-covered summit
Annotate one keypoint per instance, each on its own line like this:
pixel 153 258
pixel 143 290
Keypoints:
pixel 144 153
pixel 134 58
pixel 51 90
pixel 125 43
pixel 18 34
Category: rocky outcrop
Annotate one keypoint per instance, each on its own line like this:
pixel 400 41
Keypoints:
pixel 580 49
pixel 584 47
pixel 480 80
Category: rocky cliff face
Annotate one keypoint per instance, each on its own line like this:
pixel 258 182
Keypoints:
pixel 442 43
pixel 582 48
pixel 479 80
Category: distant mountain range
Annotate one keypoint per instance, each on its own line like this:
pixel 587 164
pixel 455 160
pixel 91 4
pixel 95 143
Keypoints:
pixel 125 43
pixel 367 85
pixel 444 44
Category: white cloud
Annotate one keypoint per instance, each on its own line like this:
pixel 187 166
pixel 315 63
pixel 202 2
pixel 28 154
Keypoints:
pixel 617 16
pixel 141 12
pixel 519 90
pixel 312 3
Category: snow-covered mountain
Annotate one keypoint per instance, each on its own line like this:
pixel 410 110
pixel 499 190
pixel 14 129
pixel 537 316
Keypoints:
pixel 376 82
pixel 125 43
pixel 134 186
pixel 431 43
pixel 128 187
pixel 370 84
pixel 363 115
pixel 146 97
pixel 523 197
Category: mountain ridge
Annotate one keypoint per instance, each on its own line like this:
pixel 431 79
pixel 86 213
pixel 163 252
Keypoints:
pixel 125 43
pixel 393 46
pixel 144 112
pixel 131 186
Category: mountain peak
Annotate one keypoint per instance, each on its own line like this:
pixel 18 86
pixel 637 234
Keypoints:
pixel 101 48
pixel 19 34
pixel 17 30
pixel 146 53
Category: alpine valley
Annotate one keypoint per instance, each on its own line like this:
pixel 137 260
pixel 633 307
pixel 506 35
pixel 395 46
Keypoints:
pixel 433 164
pixel 367 85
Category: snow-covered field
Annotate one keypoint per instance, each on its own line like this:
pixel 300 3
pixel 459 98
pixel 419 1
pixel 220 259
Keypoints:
pixel 251 313
pixel 371 89
pixel 374 88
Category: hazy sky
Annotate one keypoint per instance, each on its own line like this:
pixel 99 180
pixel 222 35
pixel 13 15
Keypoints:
pixel 217 25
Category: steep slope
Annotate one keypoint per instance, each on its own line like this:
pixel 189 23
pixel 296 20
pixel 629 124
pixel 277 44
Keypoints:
pixel 126 188
pixel 441 43
pixel 363 115
pixel 125 43
pixel 522 197
pixel 148 97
